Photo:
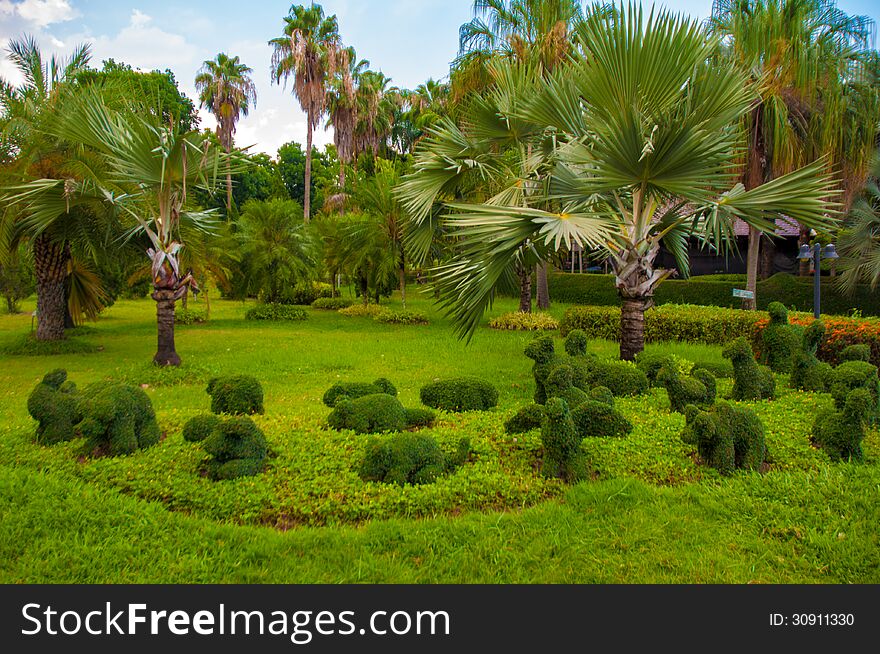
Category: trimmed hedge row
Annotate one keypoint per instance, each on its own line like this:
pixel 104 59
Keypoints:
pixel 794 292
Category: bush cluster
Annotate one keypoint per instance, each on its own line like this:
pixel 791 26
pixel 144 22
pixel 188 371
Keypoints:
pixel 623 378
pixel 727 437
pixel 236 395
pixel 375 414
pixel 696 388
pixel 118 419
pixel 276 312
pixel 563 457
pixel 237 447
pixel 460 395
pixel 750 380
pixel 524 322
pixel 54 404
pixel 191 316
pixel 199 428
pixel 807 372
pixel 394 317
pixel 841 430
pixel 305 294
pixel 410 459
pixel 780 341
pixel 362 311
pixel 850 376
pixel 331 303
pixel 354 390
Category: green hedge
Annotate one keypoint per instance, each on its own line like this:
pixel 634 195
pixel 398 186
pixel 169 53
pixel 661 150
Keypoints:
pixel 717 290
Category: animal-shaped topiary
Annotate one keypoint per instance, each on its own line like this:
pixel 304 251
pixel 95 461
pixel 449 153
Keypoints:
pixel 751 381
pixel 543 352
pixel 354 390
pixel 237 447
pixel 238 395
pixel 780 341
pixel 576 343
pixel 563 457
pixel 698 388
pixel 199 428
pixel 727 437
pixel 117 419
pixel 525 420
pixel 410 459
pixel 807 372
pixel 375 414
pixel 53 404
pixel 840 432
pixel 856 353
pixel 849 376
pixel 622 378
pixel 597 418
pixel 560 383
pixel 460 395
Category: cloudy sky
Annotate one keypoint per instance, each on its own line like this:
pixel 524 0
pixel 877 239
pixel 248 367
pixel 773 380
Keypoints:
pixel 408 40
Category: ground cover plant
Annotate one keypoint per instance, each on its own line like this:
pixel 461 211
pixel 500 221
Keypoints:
pixel 311 488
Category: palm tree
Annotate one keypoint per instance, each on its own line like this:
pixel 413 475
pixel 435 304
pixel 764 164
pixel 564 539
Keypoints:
pixel 148 169
pixel 859 242
pixel 226 90
pixel 646 144
pixel 342 108
pixel 799 55
pixel 375 112
pixel 27 110
pixel 308 51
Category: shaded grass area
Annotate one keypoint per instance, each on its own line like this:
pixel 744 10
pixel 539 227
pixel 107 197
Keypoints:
pixel 652 515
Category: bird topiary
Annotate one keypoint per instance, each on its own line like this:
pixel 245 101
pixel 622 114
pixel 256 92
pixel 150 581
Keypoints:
pixel 727 437
pixel 849 376
pixel 460 394
pixel 780 341
pixel 117 419
pixel 238 395
pixel 375 414
pixel 237 447
pixel 560 383
pixel 840 432
pixel 354 390
pixel 698 388
pixel 751 381
pixel 199 428
pixel 563 457
pixel 53 404
pixel 410 459
pixel 807 372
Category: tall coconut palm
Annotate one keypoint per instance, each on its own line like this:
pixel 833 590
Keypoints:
pixel 226 90
pixel 798 54
pixel 308 51
pixel 342 107
pixel 375 111
pixel 27 109
pixel 647 142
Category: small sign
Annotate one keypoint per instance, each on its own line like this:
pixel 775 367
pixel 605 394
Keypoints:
pixel 745 295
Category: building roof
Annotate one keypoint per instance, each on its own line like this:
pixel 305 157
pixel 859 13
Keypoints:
pixel 785 227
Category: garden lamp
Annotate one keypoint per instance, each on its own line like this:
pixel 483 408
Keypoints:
pixel 817 253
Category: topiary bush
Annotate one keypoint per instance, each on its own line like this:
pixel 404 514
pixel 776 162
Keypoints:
pixel 117 419
pixel 698 388
pixel 54 405
pixel 722 370
pixel 331 303
pixel 276 312
pixel 849 376
pixel 374 414
pixel 751 381
pixel 622 378
pixel 354 390
pixel 856 353
pixel 393 317
pixel 525 420
pixel 727 437
pixel 238 449
pixel 239 395
pixel 807 373
pixel 780 341
pixel 199 428
pixel 419 417
pixel 599 419
pixel 560 383
pixel 460 395
pixel 410 459
pixel 524 322
pixel 576 343
pixel 840 432
pixel 563 457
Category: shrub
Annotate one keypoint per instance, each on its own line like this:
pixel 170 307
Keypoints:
pixel 525 322
pixel 54 405
pixel 362 311
pixel 236 395
pixel 751 381
pixel 598 419
pixel 698 388
pixel 622 378
pixel 850 376
pixel 418 418
pixel 331 303
pixel 525 420
pixel 276 312
pixel 392 317
pixel 651 364
pixel 840 431
pixel 28 346
pixel 191 316
pixel 460 394
pixel 238 449
pixel 602 394
pixel 727 437
pixel 117 419
pixel 409 459
pixel 779 340
pixel 856 353
pixel 563 457
pixel 199 428
pixel 305 294
pixel 560 384
pixel 807 374
pixel 723 370
pixel 370 414
pixel 354 390
pixel 576 343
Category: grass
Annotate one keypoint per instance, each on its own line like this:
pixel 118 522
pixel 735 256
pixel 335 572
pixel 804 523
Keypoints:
pixel 651 515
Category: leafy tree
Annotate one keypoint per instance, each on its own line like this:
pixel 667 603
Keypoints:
pixel 16 278
pixel 859 242
pixel 292 169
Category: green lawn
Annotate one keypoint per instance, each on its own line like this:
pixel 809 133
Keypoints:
pixel 651 514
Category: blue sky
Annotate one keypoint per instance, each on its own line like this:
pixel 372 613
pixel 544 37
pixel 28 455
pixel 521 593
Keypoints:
pixel 408 40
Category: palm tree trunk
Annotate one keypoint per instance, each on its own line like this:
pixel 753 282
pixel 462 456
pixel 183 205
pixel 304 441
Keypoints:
pixel 632 327
pixel 752 261
pixel 50 267
pixel 166 354
pixel 543 287
pixel 307 203
pixel 402 273
pixel 755 176
pixel 341 176
pixel 525 289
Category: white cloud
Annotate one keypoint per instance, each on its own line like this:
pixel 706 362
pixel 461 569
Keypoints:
pixel 139 18
pixel 40 13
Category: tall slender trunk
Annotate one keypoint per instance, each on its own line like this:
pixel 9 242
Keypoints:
pixel 755 177
pixel 525 289
pixel 768 252
pixel 166 354
pixel 543 287
pixel 341 176
pixel 632 327
pixel 754 257
pixel 402 273
pixel 50 267
pixel 307 203
pixel 365 289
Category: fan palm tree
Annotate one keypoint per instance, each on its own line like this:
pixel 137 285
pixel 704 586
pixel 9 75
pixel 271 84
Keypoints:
pixel 859 242
pixel 375 112
pixel 27 109
pixel 801 55
pixel 148 169
pixel 226 90
pixel 646 147
pixel 342 108
pixel 367 254
pixel 308 51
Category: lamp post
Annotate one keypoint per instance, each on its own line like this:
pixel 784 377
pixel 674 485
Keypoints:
pixel 817 253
